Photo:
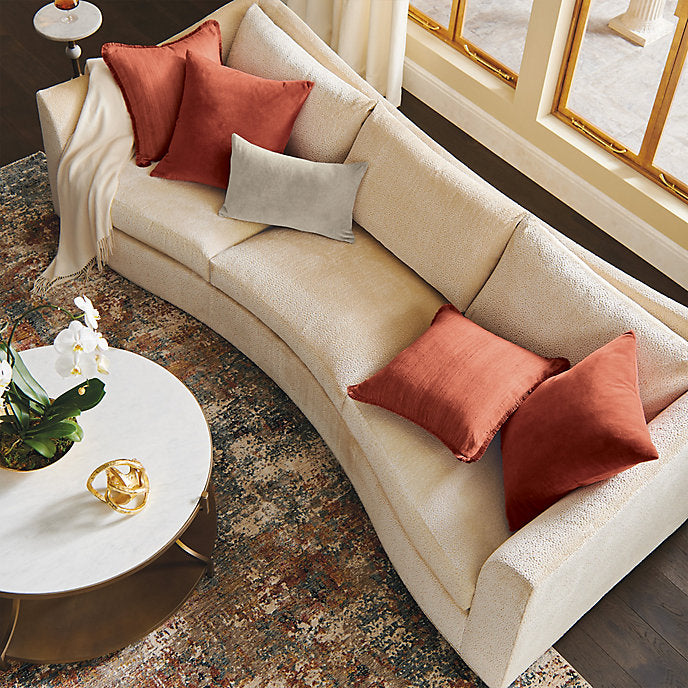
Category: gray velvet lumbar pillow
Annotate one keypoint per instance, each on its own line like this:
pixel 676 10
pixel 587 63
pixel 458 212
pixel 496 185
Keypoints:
pixel 277 189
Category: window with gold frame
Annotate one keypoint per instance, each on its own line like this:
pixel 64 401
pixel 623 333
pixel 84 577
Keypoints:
pixel 491 33
pixel 656 144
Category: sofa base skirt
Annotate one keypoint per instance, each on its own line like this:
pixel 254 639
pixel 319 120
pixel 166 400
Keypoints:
pixel 172 281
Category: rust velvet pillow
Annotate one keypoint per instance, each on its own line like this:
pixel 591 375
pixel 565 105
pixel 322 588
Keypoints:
pixel 220 101
pixel 575 429
pixel 458 381
pixel 151 78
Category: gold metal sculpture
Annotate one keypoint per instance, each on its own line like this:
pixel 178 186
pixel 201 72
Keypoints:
pixel 126 493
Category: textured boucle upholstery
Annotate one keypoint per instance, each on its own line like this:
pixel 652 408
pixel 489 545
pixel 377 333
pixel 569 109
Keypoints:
pixel 182 287
pixel 453 512
pixel 187 229
pixel 670 312
pixel 345 309
pixel 545 299
pixel 58 110
pixel 549 573
pixel 229 17
pixel 450 228
pixel 334 111
pixel 438 520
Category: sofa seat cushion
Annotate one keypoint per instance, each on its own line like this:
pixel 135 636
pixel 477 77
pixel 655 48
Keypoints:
pixel 345 309
pixel 452 512
pixel 177 218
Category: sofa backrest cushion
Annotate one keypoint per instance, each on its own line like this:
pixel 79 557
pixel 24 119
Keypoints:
pixel 449 227
pixel 333 114
pixel 544 298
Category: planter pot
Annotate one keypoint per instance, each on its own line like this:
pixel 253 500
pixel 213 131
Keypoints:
pixel 26 460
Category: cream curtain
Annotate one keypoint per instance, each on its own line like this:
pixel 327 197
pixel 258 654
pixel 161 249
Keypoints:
pixel 370 35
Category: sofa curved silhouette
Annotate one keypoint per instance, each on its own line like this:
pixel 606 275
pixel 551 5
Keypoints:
pixel 318 315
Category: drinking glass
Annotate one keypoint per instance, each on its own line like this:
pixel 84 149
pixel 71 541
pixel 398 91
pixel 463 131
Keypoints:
pixel 67 6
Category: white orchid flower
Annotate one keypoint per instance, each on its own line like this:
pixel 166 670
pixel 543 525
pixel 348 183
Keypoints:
pixel 5 376
pixel 101 343
pixel 91 315
pixel 102 361
pixel 102 364
pixel 76 346
pixel 76 338
pixel 76 364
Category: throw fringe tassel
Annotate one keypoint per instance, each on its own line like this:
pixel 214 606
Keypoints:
pixel 105 247
pixel 44 285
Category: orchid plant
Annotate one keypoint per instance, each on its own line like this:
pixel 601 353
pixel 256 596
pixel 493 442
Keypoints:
pixel 33 427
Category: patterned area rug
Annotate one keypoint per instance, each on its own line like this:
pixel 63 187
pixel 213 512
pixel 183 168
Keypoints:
pixel 303 594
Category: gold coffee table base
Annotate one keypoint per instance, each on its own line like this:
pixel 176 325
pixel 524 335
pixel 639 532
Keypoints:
pixel 84 625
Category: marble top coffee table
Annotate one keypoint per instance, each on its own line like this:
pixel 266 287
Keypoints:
pixel 77 579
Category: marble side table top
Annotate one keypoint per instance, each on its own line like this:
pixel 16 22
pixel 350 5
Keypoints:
pixel 55 537
pixel 48 21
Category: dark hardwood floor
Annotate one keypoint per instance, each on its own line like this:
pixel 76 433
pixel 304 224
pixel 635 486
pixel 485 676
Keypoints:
pixel 637 635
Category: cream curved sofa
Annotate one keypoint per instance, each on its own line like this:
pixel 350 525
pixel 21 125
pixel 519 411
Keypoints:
pixel 318 315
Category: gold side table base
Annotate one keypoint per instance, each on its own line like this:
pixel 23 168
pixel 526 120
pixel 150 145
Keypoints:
pixel 14 617
pixel 204 504
pixel 70 628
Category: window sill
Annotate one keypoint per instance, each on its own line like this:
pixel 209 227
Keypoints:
pixel 517 126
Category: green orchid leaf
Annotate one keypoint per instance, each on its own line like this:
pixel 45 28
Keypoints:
pixel 10 424
pixel 23 379
pixel 45 448
pixel 7 426
pixel 77 435
pixel 52 431
pixel 61 412
pixel 83 397
pixel 27 404
pixel 20 409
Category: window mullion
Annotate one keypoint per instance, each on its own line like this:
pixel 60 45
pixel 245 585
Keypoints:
pixel 581 12
pixel 667 87
pixel 458 14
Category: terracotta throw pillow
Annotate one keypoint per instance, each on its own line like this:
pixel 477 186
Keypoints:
pixel 575 429
pixel 220 101
pixel 151 79
pixel 458 382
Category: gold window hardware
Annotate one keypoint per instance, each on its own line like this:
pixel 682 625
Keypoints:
pixel 425 23
pixel 672 187
pixel 480 60
pixel 589 132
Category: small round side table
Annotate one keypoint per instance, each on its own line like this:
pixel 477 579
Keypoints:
pixel 49 22
pixel 77 579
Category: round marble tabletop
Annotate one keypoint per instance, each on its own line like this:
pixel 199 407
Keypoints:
pixel 57 537
pixel 49 22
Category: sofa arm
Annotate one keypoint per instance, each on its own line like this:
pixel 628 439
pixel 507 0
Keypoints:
pixel 548 574
pixel 58 110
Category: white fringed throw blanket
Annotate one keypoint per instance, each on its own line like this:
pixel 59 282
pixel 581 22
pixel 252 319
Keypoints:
pixel 87 180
